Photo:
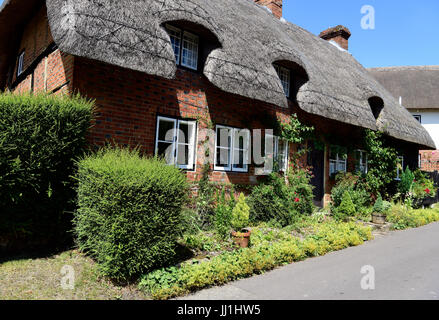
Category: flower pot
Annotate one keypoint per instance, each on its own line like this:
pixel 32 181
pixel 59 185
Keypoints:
pixel 378 218
pixel 241 239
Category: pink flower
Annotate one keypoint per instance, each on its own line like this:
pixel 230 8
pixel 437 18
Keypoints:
pixel 296 200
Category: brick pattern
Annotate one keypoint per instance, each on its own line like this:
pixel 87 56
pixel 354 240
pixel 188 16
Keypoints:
pixel 129 102
pixel 36 38
pixel 429 160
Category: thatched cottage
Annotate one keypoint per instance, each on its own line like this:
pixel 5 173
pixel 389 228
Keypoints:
pixel 417 88
pixel 159 68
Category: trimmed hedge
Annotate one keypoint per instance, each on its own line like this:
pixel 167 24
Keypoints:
pixel 129 208
pixel 40 138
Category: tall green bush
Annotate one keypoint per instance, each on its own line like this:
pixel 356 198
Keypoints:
pixel 129 211
pixel 346 208
pixel 352 183
pixel 40 138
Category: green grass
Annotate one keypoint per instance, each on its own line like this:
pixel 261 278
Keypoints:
pixel 40 279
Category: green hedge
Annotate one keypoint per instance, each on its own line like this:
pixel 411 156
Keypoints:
pixel 128 211
pixel 40 137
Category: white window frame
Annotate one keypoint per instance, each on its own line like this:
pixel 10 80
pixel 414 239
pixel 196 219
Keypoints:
pixel 418 117
pixel 175 143
pixel 362 164
pixel 175 33
pixel 336 163
pixel 193 40
pixel 285 78
pixel 20 65
pixel 276 154
pixel 233 132
pixel 398 172
pixel 185 39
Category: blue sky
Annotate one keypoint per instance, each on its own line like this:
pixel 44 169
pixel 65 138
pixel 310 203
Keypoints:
pixel 406 32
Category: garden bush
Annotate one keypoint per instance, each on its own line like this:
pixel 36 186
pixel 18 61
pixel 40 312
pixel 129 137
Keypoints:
pixel 403 217
pixel 240 214
pixel 223 213
pixel 40 138
pixel 346 208
pixel 351 183
pixel 283 200
pixel 129 211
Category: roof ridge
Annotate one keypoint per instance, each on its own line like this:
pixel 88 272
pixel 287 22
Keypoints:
pixel 426 67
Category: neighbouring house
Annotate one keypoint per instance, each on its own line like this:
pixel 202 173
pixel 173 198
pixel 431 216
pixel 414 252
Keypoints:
pixel 163 72
pixel 417 89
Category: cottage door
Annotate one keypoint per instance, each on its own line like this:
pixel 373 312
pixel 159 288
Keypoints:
pixel 316 159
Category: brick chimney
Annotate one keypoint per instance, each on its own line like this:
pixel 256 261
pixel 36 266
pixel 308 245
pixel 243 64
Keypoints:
pixel 274 5
pixel 340 34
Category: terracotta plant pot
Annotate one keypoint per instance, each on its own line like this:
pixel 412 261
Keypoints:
pixel 378 218
pixel 242 239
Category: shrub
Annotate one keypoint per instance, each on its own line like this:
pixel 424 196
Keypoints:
pixel 40 138
pixel 270 201
pixel 223 214
pixel 240 214
pixel 129 211
pixel 406 182
pixel 348 182
pixel 281 201
pixel 402 217
pixel 346 208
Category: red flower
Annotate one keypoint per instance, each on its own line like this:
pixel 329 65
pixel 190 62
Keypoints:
pixel 427 190
pixel 296 200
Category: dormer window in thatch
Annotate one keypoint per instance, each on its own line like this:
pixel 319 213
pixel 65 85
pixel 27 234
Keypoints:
pixel 376 105
pixel 285 78
pixel 292 77
pixel 192 43
pixel 185 45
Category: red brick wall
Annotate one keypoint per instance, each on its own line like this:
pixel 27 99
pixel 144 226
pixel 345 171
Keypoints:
pixel 35 39
pixel 129 102
pixel 429 160
pixel 53 70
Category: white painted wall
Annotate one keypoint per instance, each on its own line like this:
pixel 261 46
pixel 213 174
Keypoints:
pixel 430 121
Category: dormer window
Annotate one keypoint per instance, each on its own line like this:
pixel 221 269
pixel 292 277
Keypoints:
pixel 185 45
pixel 285 78
pixel 20 64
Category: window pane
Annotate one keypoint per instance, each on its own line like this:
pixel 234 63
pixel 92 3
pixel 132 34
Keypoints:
pixel 189 56
pixel 175 35
pixel 166 130
pixel 183 158
pixel 186 132
pixel 222 157
pixel 238 159
pixel 284 76
pixel 166 150
pixel 223 137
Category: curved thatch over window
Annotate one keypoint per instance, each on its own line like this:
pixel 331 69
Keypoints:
pixel 376 105
pixel 205 40
pixel 292 77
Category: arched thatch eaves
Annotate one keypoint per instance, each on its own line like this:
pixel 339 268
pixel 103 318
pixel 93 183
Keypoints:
pixel 118 33
pixel 129 34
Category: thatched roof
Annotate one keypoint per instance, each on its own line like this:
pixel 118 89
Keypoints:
pixel 129 34
pixel 418 86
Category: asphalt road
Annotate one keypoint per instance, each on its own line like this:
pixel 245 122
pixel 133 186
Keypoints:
pixel 406 266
